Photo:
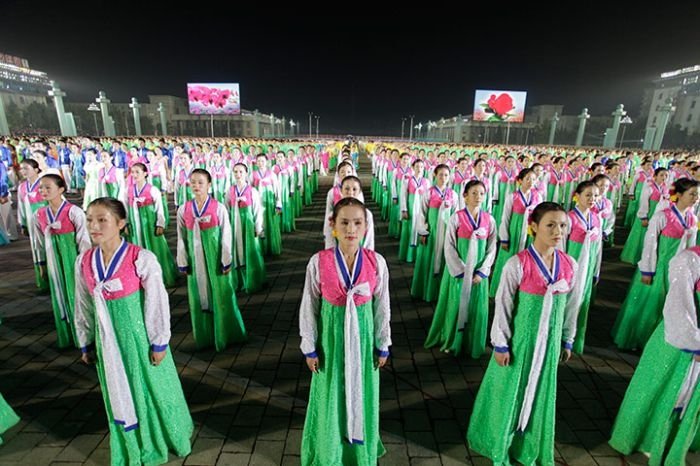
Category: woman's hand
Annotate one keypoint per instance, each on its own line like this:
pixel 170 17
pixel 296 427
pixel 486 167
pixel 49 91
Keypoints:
pixel 159 231
pixel 314 365
pixel 646 279
pixel 565 355
pixel 645 223
pixel 88 358
pixel 505 246
pixel 424 239
pixel 476 279
pixel 502 359
pixel 404 215
pixel 381 361
pixel 157 357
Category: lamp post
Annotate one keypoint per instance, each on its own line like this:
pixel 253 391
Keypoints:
pixel 403 123
pixel 410 136
pixel 94 109
pixel 625 121
pixel 310 115
pixel 581 126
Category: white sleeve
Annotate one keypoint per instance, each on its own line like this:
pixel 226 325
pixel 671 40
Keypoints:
pixel 403 197
pixel 258 212
pixel 160 209
pixel 511 277
pixel 182 259
pixel 84 318
pixel 491 248
pixel 277 190
pixel 421 221
pixel 82 237
pixel 156 307
pixel 309 309
pixel 503 230
pixel 455 264
pixel 573 305
pixel 38 241
pixel 680 311
pixel 226 236
pixel 369 236
pixel 647 264
pixel 643 210
pixel 327 215
pixel 382 308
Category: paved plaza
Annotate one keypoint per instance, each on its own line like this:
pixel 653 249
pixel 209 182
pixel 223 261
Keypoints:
pixel 249 401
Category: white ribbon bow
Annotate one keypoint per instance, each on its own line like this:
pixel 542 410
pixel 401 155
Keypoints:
pixel 417 201
pixel 200 263
pixel 238 235
pixel 120 398
pixel 522 239
pixel 442 220
pixel 539 352
pixel 353 366
pixel 469 267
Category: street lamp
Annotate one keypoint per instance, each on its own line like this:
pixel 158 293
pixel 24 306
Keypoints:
pixel 310 115
pixel 403 122
pixel 410 136
pixel 95 110
pixel 625 121
pixel 317 119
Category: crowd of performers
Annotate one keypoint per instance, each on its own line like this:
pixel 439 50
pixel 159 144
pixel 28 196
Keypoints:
pixel 526 226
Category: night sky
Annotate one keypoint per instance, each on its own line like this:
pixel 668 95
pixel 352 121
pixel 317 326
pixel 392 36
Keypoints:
pixel 362 71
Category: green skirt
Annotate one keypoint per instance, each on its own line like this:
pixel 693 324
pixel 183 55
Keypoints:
pixel 158 245
pixel 642 309
pixel 272 242
pixel 66 253
pixel 633 206
pixel 444 329
pixel 8 418
pixel 632 251
pixel 407 251
pixel 647 421
pixel 324 441
pixel 221 324
pixel 515 228
pixel 492 427
pixel 426 281
pixel 574 250
pixel 251 276
pixel 164 419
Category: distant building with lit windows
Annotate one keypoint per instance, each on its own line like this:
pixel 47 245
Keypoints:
pixel 682 87
pixel 20 84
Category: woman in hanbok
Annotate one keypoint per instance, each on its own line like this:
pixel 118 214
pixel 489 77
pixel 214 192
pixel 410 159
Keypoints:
pixel 462 312
pixel 584 244
pixel 351 186
pixel 345 336
pixel 221 180
pixel 247 222
pixel 112 183
pixel 437 204
pixel 479 173
pixel 533 330
pixel 267 184
pixel 77 161
pixel 670 231
pixel 29 201
pixel 204 253
pixel 282 170
pixel 183 190
pixel 605 208
pixel 513 227
pixel 146 215
pixel 654 195
pixel 335 194
pixel 505 184
pixel 122 321
pixel 60 232
pixel 92 177
pixel 641 178
pixel 660 413
pixel 410 196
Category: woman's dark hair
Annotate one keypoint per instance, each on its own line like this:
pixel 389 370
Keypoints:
pixel 542 209
pixel 582 186
pixel 596 165
pixel 201 171
pixel 462 159
pixel 478 161
pixel 659 170
pixel 343 164
pixel 442 166
pixel 558 159
pixel 523 173
pixel 57 179
pixel 347 202
pixel 681 185
pixel 600 177
pixel 240 165
pixel 141 166
pixel 32 163
pixel 417 161
pixel 39 151
pixel 470 184
pixel 646 160
pixel 113 205
pixel 351 178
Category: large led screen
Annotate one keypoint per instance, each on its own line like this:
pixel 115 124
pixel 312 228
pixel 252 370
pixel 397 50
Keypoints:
pixel 214 99
pixel 499 106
